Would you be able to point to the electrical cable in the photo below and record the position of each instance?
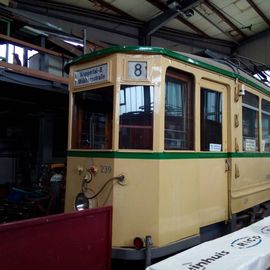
(119, 178)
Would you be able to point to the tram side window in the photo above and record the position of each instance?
(179, 110)
(136, 117)
(265, 125)
(250, 111)
(92, 119)
(211, 120)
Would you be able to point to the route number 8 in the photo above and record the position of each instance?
(137, 70)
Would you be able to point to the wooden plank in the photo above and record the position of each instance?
(31, 46)
(34, 73)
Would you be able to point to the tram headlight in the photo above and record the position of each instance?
(81, 202)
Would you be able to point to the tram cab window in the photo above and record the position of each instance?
(250, 111)
(136, 117)
(92, 119)
(211, 120)
(179, 110)
(265, 125)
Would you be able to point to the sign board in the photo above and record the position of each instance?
(214, 147)
(246, 249)
(250, 145)
(91, 75)
(137, 70)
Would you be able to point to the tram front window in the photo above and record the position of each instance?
(136, 117)
(92, 119)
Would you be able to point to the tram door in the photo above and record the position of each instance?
(213, 141)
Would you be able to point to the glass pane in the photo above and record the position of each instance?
(266, 106)
(265, 126)
(211, 120)
(136, 117)
(250, 122)
(179, 111)
(92, 119)
(251, 100)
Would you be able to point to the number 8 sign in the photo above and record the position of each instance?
(137, 70)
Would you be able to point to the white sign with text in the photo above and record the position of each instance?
(246, 249)
(91, 75)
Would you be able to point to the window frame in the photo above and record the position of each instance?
(257, 131)
(77, 125)
(267, 114)
(217, 114)
(188, 110)
(137, 127)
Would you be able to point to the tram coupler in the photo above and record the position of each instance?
(148, 246)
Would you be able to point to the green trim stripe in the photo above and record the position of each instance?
(249, 155)
(169, 53)
(164, 155)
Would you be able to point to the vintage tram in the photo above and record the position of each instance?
(174, 142)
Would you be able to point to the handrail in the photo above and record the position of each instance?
(32, 72)
(32, 46)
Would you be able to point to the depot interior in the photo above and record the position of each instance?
(36, 41)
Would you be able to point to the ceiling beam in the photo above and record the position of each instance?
(163, 7)
(215, 25)
(118, 11)
(157, 4)
(224, 18)
(95, 21)
(260, 13)
(251, 39)
(173, 9)
(156, 23)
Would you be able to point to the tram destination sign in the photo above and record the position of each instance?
(91, 75)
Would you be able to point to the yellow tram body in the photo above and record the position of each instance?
(169, 194)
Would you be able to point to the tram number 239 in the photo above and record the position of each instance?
(137, 70)
(105, 169)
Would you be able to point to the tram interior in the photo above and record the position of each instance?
(93, 119)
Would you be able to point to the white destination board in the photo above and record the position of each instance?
(91, 75)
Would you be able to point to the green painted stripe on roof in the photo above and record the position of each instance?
(169, 53)
(164, 155)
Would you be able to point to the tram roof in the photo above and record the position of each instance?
(216, 65)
